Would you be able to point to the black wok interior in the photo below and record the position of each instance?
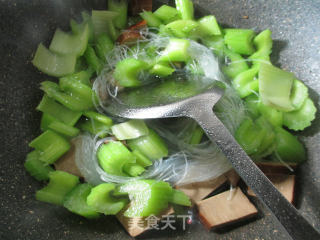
(23, 24)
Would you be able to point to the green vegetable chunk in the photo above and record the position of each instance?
(152, 20)
(81, 77)
(59, 185)
(216, 43)
(301, 118)
(236, 66)
(130, 129)
(36, 168)
(288, 147)
(53, 64)
(209, 26)
(152, 146)
(51, 146)
(63, 129)
(46, 120)
(92, 60)
(70, 44)
(127, 71)
(102, 22)
(180, 28)
(185, 8)
(141, 159)
(98, 117)
(179, 198)
(103, 46)
(113, 156)
(197, 135)
(133, 169)
(246, 82)
(167, 14)
(275, 87)
(240, 40)
(101, 200)
(176, 51)
(121, 7)
(161, 70)
(263, 43)
(299, 94)
(76, 201)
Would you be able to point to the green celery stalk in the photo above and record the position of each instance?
(243, 82)
(46, 120)
(275, 87)
(301, 118)
(76, 201)
(133, 169)
(127, 71)
(180, 28)
(94, 127)
(121, 7)
(252, 105)
(70, 44)
(240, 40)
(104, 45)
(92, 60)
(274, 116)
(98, 117)
(161, 70)
(148, 197)
(216, 43)
(209, 26)
(77, 28)
(237, 64)
(129, 130)
(72, 102)
(299, 94)
(103, 23)
(185, 8)
(196, 136)
(51, 146)
(81, 77)
(288, 147)
(53, 64)
(176, 51)
(59, 185)
(113, 156)
(167, 14)
(141, 159)
(263, 44)
(57, 112)
(36, 168)
(179, 198)
(101, 201)
(64, 129)
(152, 20)
(152, 146)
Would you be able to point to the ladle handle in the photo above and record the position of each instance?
(293, 222)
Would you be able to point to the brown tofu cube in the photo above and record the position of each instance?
(223, 209)
(284, 183)
(198, 191)
(138, 225)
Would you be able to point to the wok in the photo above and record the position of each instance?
(23, 24)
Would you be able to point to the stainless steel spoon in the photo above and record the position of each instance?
(199, 108)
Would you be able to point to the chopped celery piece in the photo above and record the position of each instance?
(185, 8)
(113, 156)
(77, 28)
(180, 28)
(64, 129)
(70, 44)
(288, 147)
(152, 145)
(196, 136)
(240, 40)
(178, 197)
(152, 20)
(243, 82)
(133, 169)
(100, 199)
(216, 43)
(301, 118)
(104, 45)
(76, 201)
(94, 127)
(176, 51)
(250, 136)
(57, 111)
(51, 146)
(274, 116)
(46, 120)
(53, 64)
(252, 105)
(92, 60)
(161, 70)
(131, 129)
(81, 77)
(127, 71)
(36, 168)
(103, 23)
(148, 197)
(59, 185)
(209, 26)
(98, 117)
(121, 7)
(237, 64)
(167, 14)
(299, 94)
(81, 65)
(275, 87)
(141, 159)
